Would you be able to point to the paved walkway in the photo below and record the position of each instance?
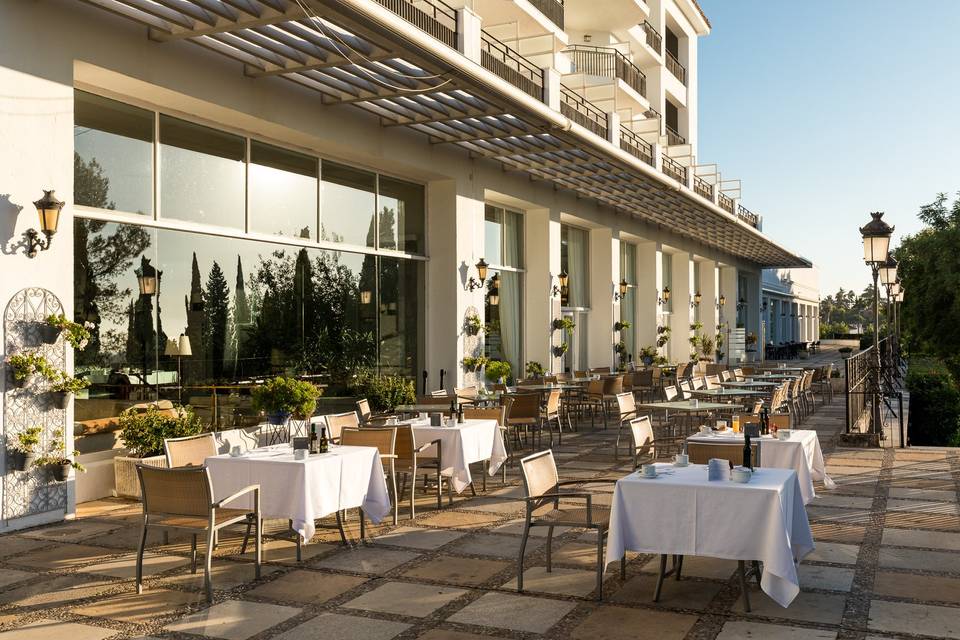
(887, 565)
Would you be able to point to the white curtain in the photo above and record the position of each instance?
(510, 320)
(577, 267)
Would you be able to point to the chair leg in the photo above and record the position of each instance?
(599, 564)
(623, 566)
(140, 548)
(193, 554)
(258, 544)
(523, 547)
(660, 577)
(549, 549)
(207, 562)
(343, 534)
(362, 530)
(396, 499)
(756, 572)
(246, 536)
(741, 575)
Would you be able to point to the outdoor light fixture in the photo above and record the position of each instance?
(664, 297)
(888, 272)
(697, 297)
(876, 250)
(564, 282)
(876, 239)
(621, 290)
(366, 297)
(181, 349)
(494, 296)
(473, 283)
(722, 301)
(146, 278)
(48, 210)
(741, 303)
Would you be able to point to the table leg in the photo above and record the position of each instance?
(742, 578)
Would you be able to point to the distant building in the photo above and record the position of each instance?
(791, 305)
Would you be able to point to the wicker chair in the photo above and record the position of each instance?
(685, 387)
(821, 383)
(726, 375)
(337, 422)
(643, 384)
(466, 395)
(385, 440)
(646, 446)
(550, 414)
(412, 459)
(364, 414)
(713, 382)
(626, 411)
(500, 415)
(593, 399)
(191, 451)
(182, 498)
(523, 413)
(542, 487)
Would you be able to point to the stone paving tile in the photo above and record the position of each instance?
(366, 560)
(224, 575)
(807, 607)
(460, 520)
(233, 619)
(837, 532)
(16, 546)
(922, 494)
(834, 552)
(126, 566)
(925, 539)
(404, 598)
(688, 594)
(904, 617)
(923, 506)
(827, 499)
(738, 630)
(449, 634)
(504, 506)
(336, 626)
(619, 623)
(61, 556)
(827, 578)
(515, 527)
(513, 611)
(73, 531)
(285, 552)
(12, 576)
(47, 629)
(560, 581)
(917, 587)
(138, 608)
(917, 520)
(107, 507)
(306, 586)
(836, 515)
(461, 571)
(54, 590)
(498, 546)
(919, 560)
(417, 538)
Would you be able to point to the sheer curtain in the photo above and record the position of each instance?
(577, 267)
(510, 292)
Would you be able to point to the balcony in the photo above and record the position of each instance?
(583, 112)
(432, 16)
(703, 188)
(552, 9)
(726, 203)
(497, 57)
(674, 169)
(677, 69)
(674, 137)
(654, 39)
(607, 62)
(748, 216)
(635, 145)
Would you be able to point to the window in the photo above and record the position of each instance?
(113, 155)
(401, 216)
(503, 237)
(283, 191)
(348, 204)
(628, 305)
(574, 260)
(201, 174)
(666, 266)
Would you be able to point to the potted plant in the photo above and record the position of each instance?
(620, 347)
(498, 371)
(559, 350)
(78, 335)
(64, 387)
(25, 448)
(621, 325)
(142, 431)
(750, 340)
(473, 325)
(647, 355)
(26, 365)
(474, 363)
(56, 459)
(385, 393)
(534, 369)
(282, 397)
(663, 335)
(565, 324)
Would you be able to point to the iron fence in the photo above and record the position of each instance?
(607, 62)
(582, 111)
(674, 169)
(635, 145)
(432, 16)
(497, 57)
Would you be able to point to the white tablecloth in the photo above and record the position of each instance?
(681, 512)
(305, 490)
(461, 445)
(801, 453)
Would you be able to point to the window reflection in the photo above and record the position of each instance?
(401, 216)
(347, 205)
(283, 191)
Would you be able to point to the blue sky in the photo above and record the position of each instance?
(828, 110)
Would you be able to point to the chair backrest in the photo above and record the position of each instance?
(641, 430)
(600, 370)
(595, 388)
(246, 439)
(442, 400)
(613, 385)
(539, 476)
(404, 443)
(191, 451)
(337, 422)
(643, 378)
(383, 438)
(469, 393)
(685, 388)
(778, 420)
(699, 383)
(524, 405)
(582, 374)
(726, 376)
(713, 382)
(183, 491)
(682, 370)
(627, 406)
(363, 410)
(553, 402)
(499, 386)
(560, 377)
(738, 375)
(486, 413)
(669, 392)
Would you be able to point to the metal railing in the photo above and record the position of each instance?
(674, 137)
(748, 216)
(677, 69)
(497, 57)
(635, 145)
(703, 187)
(432, 16)
(654, 39)
(553, 9)
(608, 63)
(726, 202)
(863, 381)
(582, 111)
(674, 169)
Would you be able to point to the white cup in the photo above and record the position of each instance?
(681, 459)
(649, 471)
(300, 454)
(783, 434)
(423, 415)
(705, 429)
(392, 420)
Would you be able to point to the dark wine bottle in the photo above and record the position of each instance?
(764, 421)
(747, 452)
(314, 445)
(460, 413)
(324, 445)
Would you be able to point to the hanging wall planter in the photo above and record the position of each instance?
(60, 471)
(60, 399)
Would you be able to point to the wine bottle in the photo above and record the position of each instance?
(747, 452)
(460, 413)
(314, 445)
(324, 445)
(764, 421)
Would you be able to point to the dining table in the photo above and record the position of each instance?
(462, 444)
(748, 384)
(731, 394)
(306, 490)
(681, 512)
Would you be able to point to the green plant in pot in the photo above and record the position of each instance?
(65, 386)
(498, 371)
(647, 355)
(473, 325)
(282, 397)
(559, 349)
(564, 324)
(26, 365)
(385, 393)
(143, 431)
(621, 325)
(57, 460)
(25, 448)
(78, 335)
(534, 369)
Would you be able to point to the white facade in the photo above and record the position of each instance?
(54, 49)
(791, 305)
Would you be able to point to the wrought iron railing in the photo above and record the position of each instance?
(433, 16)
(726, 202)
(635, 145)
(674, 169)
(677, 69)
(511, 66)
(703, 187)
(674, 137)
(748, 216)
(654, 39)
(608, 63)
(553, 9)
(582, 111)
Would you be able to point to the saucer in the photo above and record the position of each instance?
(681, 464)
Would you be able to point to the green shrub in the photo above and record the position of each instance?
(498, 370)
(385, 393)
(535, 369)
(283, 395)
(934, 407)
(143, 431)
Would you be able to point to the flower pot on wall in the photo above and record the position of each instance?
(61, 399)
(125, 473)
(23, 383)
(49, 334)
(22, 461)
(60, 471)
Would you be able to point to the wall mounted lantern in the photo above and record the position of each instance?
(697, 297)
(741, 303)
(564, 283)
(48, 210)
(664, 297)
(722, 301)
(494, 296)
(621, 292)
(473, 283)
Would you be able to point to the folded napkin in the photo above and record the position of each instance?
(718, 469)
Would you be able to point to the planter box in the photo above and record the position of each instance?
(125, 474)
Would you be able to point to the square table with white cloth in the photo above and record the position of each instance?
(680, 512)
(461, 445)
(306, 490)
(800, 452)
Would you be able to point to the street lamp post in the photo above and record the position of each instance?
(876, 249)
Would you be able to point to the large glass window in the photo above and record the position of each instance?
(503, 236)
(347, 205)
(628, 305)
(283, 191)
(401, 216)
(201, 174)
(113, 155)
(574, 260)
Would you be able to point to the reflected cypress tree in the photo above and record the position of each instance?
(217, 310)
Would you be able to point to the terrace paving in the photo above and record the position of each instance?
(886, 566)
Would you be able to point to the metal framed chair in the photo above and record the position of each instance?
(523, 413)
(182, 498)
(385, 440)
(190, 451)
(411, 460)
(500, 415)
(626, 411)
(337, 422)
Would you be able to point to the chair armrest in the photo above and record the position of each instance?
(255, 488)
(586, 481)
(559, 496)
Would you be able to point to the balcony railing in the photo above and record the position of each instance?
(703, 187)
(654, 39)
(583, 112)
(677, 69)
(674, 137)
(674, 169)
(553, 9)
(511, 66)
(748, 216)
(433, 16)
(607, 62)
(726, 202)
(635, 145)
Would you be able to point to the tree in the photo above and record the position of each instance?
(217, 309)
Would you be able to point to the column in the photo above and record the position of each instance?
(542, 261)
(680, 318)
(604, 270)
(728, 312)
(754, 297)
(649, 285)
(709, 288)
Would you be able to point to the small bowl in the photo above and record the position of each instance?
(741, 475)
(783, 434)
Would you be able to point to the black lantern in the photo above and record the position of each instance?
(146, 278)
(697, 297)
(888, 272)
(564, 282)
(722, 301)
(664, 296)
(494, 296)
(366, 296)
(473, 283)
(48, 210)
(621, 290)
(741, 303)
(876, 239)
